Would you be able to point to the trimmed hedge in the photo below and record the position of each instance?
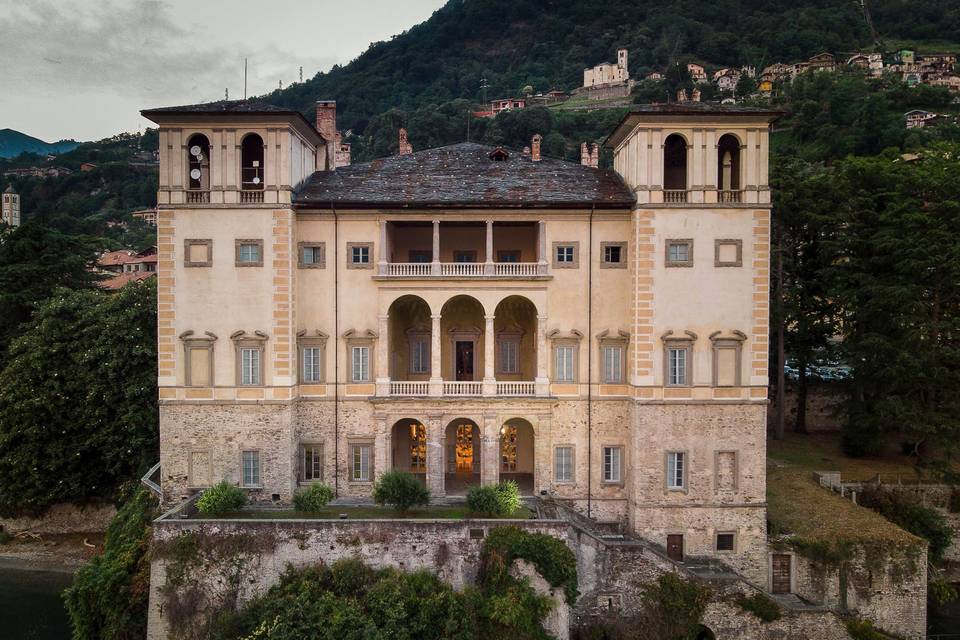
(401, 490)
(494, 500)
(221, 498)
(312, 499)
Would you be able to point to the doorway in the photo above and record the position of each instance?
(464, 350)
(780, 573)
(675, 547)
(462, 456)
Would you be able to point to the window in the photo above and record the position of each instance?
(611, 464)
(362, 459)
(462, 257)
(359, 255)
(725, 542)
(563, 363)
(728, 252)
(679, 253)
(678, 371)
(563, 464)
(249, 253)
(311, 463)
(250, 366)
(513, 255)
(312, 255)
(251, 469)
(675, 165)
(311, 357)
(676, 470)
(509, 351)
(420, 354)
(614, 255)
(360, 358)
(612, 363)
(566, 255)
(198, 163)
(420, 256)
(198, 253)
(251, 162)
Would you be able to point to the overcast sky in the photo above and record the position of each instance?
(84, 68)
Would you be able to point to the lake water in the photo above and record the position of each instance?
(30, 604)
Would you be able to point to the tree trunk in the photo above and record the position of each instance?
(801, 424)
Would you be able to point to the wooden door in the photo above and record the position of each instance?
(675, 547)
(781, 573)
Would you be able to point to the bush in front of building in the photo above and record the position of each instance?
(494, 500)
(221, 498)
(761, 605)
(312, 499)
(400, 490)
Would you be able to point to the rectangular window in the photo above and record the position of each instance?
(613, 364)
(508, 256)
(675, 470)
(563, 464)
(312, 255)
(725, 542)
(565, 254)
(360, 254)
(563, 357)
(249, 253)
(311, 463)
(465, 256)
(250, 366)
(197, 253)
(611, 464)
(614, 255)
(360, 454)
(679, 253)
(611, 254)
(361, 364)
(419, 256)
(420, 356)
(509, 350)
(311, 364)
(677, 366)
(251, 468)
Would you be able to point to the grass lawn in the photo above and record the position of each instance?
(372, 512)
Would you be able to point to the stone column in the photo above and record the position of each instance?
(384, 252)
(383, 356)
(436, 370)
(435, 264)
(435, 446)
(542, 247)
(489, 346)
(490, 455)
(542, 380)
(382, 452)
(488, 267)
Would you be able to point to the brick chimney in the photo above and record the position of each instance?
(327, 119)
(405, 147)
(595, 155)
(584, 154)
(343, 152)
(535, 147)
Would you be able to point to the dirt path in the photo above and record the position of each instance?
(50, 552)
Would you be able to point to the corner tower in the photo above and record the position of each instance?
(10, 207)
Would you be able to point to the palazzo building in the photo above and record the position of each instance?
(472, 314)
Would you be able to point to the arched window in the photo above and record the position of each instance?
(675, 168)
(251, 162)
(728, 163)
(198, 162)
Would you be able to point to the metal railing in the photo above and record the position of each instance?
(409, 388)
(250, 197)
(675, 196)
(196, 196)
(516, 388)
(462, 388)
(728, 196)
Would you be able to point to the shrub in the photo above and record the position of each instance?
(312, 499)
(221, 498)
(863, 630)
(552, 557)
(673, 607)
(494, 500)
(918, 520)
(108, 597)
(401, 490)
(760, 605)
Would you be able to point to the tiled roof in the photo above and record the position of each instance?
(111, 258)
(464, 175)
(225, 106)
(119, 280)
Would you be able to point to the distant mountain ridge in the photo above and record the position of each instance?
(13, 143)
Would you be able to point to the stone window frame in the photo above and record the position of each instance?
(575, 264)
(686, 342)
(190, 342)
(573, 463)
(319, 340)
(301, 466)
(622, 264)
(353, 443)
(620, 481)
(367, 341)
(359, 265)
(667, 262)
(239, 242)
(574, 339)
(719, 242)
(685, 471)
(242, 340)
(716, 541)
(606, 340)
(418, 336)
(197, 242)
(514, 336)
(259, 484)
(322, 246)
(191, 476)
(716, 469)
(735, 342)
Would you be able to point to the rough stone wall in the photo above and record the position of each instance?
(824, 407)
(892, 593)
(64, 518)
(727, 620)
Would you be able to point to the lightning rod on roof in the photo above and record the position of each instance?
(244, 78)
(226, 93)
(301, 73)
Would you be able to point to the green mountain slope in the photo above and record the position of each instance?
(13, 143)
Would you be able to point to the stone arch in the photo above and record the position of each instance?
(198, 162)
(728, 163)
(409, 339)
(675, 162)
(408, 437)
(462, 339)
(704, 633)
(252, 151)
(462, 455)
(517, 453)
(515, 332)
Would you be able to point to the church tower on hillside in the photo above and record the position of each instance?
(10, 207)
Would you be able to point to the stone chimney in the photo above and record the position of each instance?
(526, 151)
(695, 94)
(327, 119)
(584, 154)
(405, 147)
(535, 147)
(343, 152)
(595, 155)
(681, 95)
